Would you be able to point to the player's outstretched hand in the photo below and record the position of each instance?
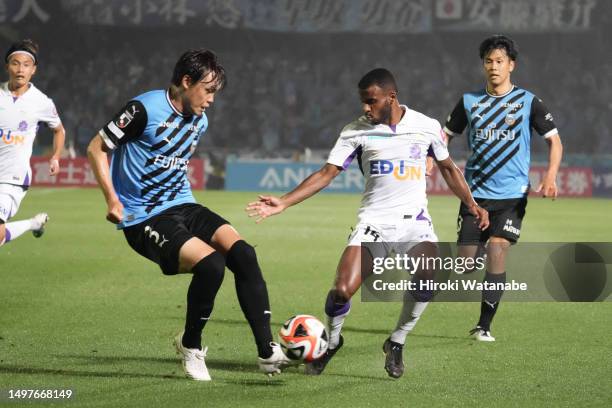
(265, 207)
(114, 213)
(548, 189)
(481, 215)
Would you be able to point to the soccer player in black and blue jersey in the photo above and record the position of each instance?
(149, 197)
(499, 120)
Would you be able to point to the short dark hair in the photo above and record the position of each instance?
(26, 45)
(500, 42)
(379, 76)
(197, 64)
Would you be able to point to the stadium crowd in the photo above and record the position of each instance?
(289, 92)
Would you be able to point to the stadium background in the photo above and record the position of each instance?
(293, 68)
(95, 317)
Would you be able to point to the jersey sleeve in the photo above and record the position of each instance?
(457, 120)
(541, 119)
(128, 124)
(344, 151)
(438, 148)
(50, 116)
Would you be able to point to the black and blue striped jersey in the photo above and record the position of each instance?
(152, 143)
(499, 136)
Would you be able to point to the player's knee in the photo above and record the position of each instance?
(242, 261)
(211, 268)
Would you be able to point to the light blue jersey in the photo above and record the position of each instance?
(152, 143)
(499, 137)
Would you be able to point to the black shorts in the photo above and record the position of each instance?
(161, 237)
(505, 216)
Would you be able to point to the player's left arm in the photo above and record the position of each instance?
(542, 121)
(454, 178)
(456, 182)
(455, 124)
(50, 116)
(59, 137)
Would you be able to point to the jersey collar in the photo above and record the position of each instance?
(172, 106)
(5, 89)
(500, 96)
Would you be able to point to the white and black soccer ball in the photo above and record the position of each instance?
(303, 337)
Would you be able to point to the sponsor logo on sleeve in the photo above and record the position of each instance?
(126, 117)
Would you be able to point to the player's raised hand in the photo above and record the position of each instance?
(481, 215)
(265, 207)
(54, 167)
(114, 212)
(548, 188)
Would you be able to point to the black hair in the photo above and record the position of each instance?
(23, 45)
(197, 64)
(500, 42)
(379, 76)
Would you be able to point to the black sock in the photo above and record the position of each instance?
(205, 283)
(252, 294)
(490, 300)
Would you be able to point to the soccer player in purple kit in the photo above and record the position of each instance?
(390, 142)
(22, 107)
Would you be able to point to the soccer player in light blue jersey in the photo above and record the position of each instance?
(149, 197)
(499, 120)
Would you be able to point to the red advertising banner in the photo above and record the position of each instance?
(571, 181)
(77, 173)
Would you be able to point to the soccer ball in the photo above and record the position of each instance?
(303, 337)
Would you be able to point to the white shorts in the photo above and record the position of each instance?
(10, 199)
(397, 234)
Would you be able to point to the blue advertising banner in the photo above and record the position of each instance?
(274, 176)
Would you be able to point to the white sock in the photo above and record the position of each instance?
(334, 325)
(15, 229)
(411, 313)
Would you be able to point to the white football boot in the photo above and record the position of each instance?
(276, 362)
(193, 360)
(481, 335)
(38, 224)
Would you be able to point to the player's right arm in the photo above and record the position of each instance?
(342, 154)
(456, 121)
(128, 124)
(268, 205)
(97, 153)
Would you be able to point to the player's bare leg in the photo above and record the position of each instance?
(252, 294)
(338, 302)
(497, 249)
(413, 307)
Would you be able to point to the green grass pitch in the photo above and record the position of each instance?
(80, 310)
